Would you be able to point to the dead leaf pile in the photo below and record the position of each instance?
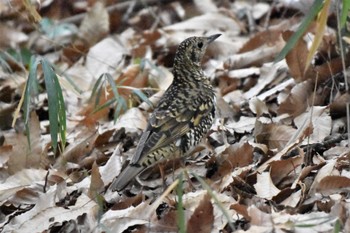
(275, 160)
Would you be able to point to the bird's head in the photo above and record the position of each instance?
(193, 48)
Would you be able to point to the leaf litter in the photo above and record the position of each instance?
(276, 158)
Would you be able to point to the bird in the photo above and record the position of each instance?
(184, 113)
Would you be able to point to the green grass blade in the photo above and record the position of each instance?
(179, 207)
(315, 8)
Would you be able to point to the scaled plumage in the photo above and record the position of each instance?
(183, 115)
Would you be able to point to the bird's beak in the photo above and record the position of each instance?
(212, 38)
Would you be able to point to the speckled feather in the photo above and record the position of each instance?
(183, 115)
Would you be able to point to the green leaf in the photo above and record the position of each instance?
(57, 113)
(315, 8)
(344, 12)
(113, 85)
(31, 87)
(121, 104)
(53, 30)
(96, 90)
(142, 96)
(108, 103)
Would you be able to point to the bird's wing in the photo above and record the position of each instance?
(167, 126)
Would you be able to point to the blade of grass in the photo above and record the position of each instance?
(180, 213)
(315, 8)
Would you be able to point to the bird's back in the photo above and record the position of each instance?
(183, 115)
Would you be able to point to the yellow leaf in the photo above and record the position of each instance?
(320, 28)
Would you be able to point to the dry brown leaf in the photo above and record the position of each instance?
(11, 37)
(264, 186)
(96, 185)
(205, 22)
(95, 24)
(26, 178)
(333, 184)
(257, 57)
(202, 219)
(269, 37)
(320, 120)
(46, 209)
(293, 199)
(328, 69)
(258, 107)
(338, 106)
(268, 72)
(296, 59)
(327, 170)
(21, 155)
(298, 100)
(293, 142)
(241, 209)
(113, 166)
(244, 125)
(234, 156)
(276, 136)
(120, 220)
(80, 145)
(282, 168)
(258, 217)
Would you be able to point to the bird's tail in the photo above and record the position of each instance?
(125, 177)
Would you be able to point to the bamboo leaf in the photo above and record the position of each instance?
(97, 89)
(108, 103)
(142, 96)
(344, 12)
(57, 114)
(121, 104)
(315, 8)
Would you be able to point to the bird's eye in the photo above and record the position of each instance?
(200, 45)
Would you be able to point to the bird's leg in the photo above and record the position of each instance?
(162, 175)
